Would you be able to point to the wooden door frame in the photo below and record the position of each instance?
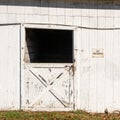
(75, 55)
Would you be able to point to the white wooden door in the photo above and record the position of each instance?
(48, 87)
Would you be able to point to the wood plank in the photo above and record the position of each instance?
(10, 69)
(3, 18)
(77, 21)
(52, 7)
(3, 9)
(100, 71)
(85, 70)
(116, 85)
(109, 66)
(68, 9)
(93, 73)
(44, 7)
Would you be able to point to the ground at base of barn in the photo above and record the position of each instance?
(72, 115)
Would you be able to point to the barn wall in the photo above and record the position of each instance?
(98, 78)
(9, 67)
(85, 13)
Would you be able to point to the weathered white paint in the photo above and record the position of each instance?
(48, 88)
(10, 67)
(96, 79)
(85, 13)
(61, 95)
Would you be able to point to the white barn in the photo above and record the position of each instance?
(60, 55)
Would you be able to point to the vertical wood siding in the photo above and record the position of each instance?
(99, 79)
(9, 68)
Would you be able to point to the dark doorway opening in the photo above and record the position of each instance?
(49, 46)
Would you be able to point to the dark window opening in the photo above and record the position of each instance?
(49, 46)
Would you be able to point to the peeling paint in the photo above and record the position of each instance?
(57, 86)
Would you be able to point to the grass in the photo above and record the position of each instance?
(77, 115)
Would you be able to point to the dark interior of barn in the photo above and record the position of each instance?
(49, 46)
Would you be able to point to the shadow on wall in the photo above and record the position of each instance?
(89, 4)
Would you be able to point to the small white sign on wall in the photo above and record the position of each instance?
(97, 53)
